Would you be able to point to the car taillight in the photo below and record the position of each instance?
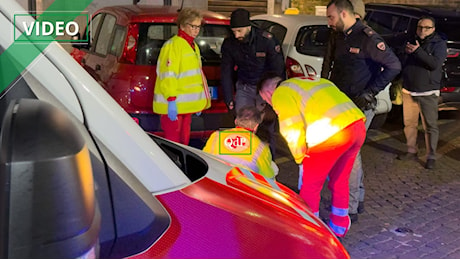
(452, 53)
(129, 51)
(447, 89)
(293, 68)
(311, 72)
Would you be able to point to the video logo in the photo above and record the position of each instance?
(58, 26)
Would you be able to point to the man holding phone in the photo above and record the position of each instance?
(422, 73)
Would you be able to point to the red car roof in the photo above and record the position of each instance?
(157, 14)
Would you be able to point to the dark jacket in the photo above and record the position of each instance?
(261, 53)
(423, 68)
(360, 55)
(328, 60)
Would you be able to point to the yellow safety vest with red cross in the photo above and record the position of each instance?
(242, 148)
(310, 112)
(179, 75)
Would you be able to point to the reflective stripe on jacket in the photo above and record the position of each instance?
(310, 112)
(179, 75)
(256, 158)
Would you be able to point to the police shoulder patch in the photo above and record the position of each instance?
(368, 31)
(381, 46)
(267, 35)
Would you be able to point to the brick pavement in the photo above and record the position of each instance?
(410, 212)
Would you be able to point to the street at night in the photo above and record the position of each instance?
(410, 212)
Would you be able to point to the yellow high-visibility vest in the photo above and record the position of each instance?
(179, 75)
(310, 112)
(242, 148)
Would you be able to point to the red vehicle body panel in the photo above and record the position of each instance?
(253, 229)
(131, 85)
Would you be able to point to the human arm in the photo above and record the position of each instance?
(227, 72)
(168, 66)
(328, 57)
(275, 58)
(435, 59)
(291, 123)
(379, 53)
(264, 162)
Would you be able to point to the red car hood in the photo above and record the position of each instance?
(212, 220)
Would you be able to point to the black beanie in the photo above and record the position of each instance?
(239, 18)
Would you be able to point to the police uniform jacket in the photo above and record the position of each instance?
(363, 61)
(260, 53)
(423, 68)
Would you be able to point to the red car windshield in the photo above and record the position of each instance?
(152, 36)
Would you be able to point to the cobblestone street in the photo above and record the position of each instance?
(410, 212)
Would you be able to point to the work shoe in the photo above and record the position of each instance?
(429, 164)
(353, 217)
(361, 207)
(407, 156)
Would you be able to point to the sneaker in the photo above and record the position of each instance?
(361, 207)
(429, 164)
(353, 217)
(407, 156)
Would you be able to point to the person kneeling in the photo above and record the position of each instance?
(240, 145)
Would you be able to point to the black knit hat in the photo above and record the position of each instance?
(240, 18)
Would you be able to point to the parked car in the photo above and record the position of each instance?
(79, 178)
(304, 41)
(396, 23)
(121, 54)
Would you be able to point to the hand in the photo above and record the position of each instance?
(198, 113)
(410, 48)
(300, 176)
(365, 101)
(172, 110)
(230, 105)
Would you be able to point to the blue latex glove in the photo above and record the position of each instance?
(198, 113)
(172, 110)
(300, 176)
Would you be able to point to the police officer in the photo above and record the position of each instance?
(363, 66)
(328, 59)
(249, 52)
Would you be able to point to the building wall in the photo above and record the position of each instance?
(308, 6)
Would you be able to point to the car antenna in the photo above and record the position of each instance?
(181, 6)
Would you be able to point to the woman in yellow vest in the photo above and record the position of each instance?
(241, 146)
(181, 87)
(324, 131)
